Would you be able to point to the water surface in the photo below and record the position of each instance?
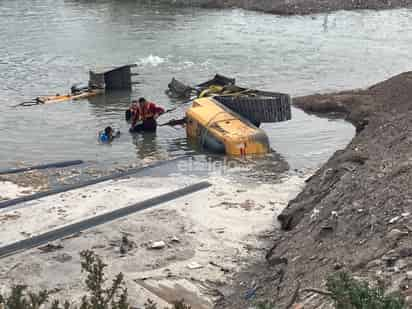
(49, 45)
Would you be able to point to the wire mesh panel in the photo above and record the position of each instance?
(258, 109)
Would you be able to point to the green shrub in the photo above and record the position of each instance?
(348, 293)
(266, 305)
(99, 295)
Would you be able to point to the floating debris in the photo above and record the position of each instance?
(158, 245)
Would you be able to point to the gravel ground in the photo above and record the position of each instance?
(354, 214)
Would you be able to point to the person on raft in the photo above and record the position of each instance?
(143, 116)
(108, 135)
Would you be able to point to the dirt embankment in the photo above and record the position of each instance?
(302, 7)
(355, 213)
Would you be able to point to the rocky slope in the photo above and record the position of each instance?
(355, 213)
(292, 7)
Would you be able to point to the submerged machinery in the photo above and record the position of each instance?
(100, 81)
(225, 118)
(221, 130)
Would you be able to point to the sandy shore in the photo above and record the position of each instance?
(208, 235)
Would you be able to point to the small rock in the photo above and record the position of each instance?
(404, 284)
(405, 252)
(395, 233)
(402, 264)
(276, 260)
(374, 263)
(409, 275)
(158, 245)
(396, 269)
(175, 239)
(337, 266)
(390, 261)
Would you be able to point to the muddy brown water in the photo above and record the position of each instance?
(49, 45)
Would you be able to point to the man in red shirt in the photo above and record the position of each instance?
(144, 115)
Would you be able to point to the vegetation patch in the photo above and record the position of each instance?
(100, 294)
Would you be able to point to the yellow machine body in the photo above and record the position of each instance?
(214, 126)
(67, 97)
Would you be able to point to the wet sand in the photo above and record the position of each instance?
(208, 235)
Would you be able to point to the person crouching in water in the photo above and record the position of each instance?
(108, 135)
(144, 116)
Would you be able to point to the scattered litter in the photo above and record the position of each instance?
(8, 217)
(72, 236)
(126, 245)
(50, 248)
(295, 258)
(251, 293)
(222, 268)
(315, 214)
(394, 219)
(325, 230)
(158, 245)
(277, 260)
(194, 265)
(62, 258)
(101, 246)
(171, 258)
(247, 205)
